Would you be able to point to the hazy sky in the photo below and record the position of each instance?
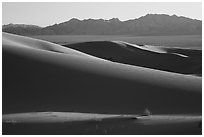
(44, 14)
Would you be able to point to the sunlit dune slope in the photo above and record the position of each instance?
(185, 61)
(41, 76)
(89, 123)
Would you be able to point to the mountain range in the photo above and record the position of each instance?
(148, 25)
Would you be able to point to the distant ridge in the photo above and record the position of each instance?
(150, 24)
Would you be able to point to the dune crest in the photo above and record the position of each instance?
(167, 59)
(75, 81)
(26, 42)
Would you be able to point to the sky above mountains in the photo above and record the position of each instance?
(44, 14)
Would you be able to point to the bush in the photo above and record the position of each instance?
(146, 112)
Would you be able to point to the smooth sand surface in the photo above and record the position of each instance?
(89, 123)
(167, 59)
(60, 117)
(53, 117)
(181, 41)
(42, 76)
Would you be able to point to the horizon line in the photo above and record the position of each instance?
(84, 19)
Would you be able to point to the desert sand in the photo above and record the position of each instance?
(42, 76)
(173, 59)
(89, 123)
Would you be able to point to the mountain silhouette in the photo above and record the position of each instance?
(150, 24)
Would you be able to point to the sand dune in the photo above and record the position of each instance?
(42, 76)
(26, 42)
(53, 117)
(183, 61)
(88, 123)
(60, 117)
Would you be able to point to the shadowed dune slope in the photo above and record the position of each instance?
(185, 61)
(36, 78)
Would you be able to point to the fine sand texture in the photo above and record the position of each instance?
(42, 76)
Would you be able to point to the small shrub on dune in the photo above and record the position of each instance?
(146, 112)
